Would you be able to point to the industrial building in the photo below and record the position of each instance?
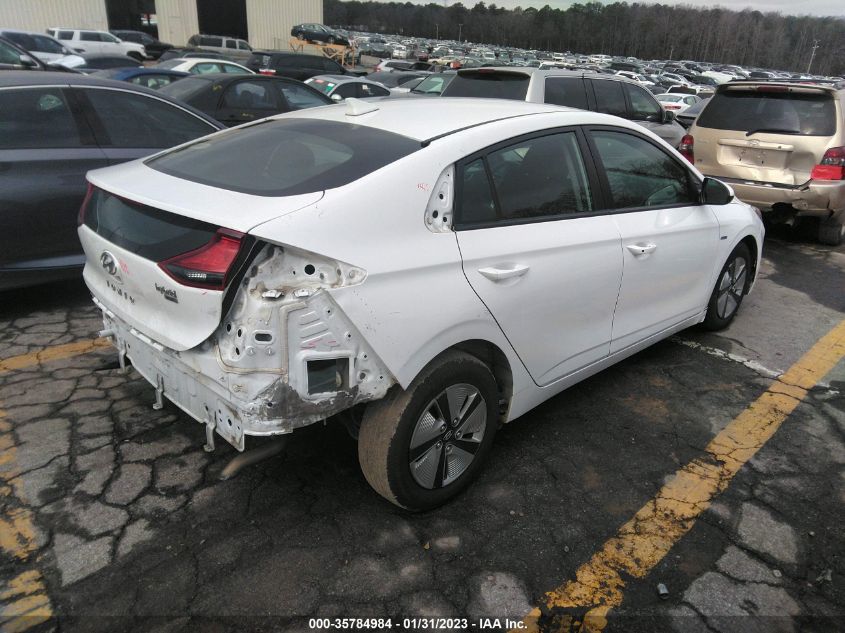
(264, 23)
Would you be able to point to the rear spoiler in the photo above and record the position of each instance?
(834, 84)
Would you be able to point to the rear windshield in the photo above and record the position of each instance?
(805, 114)
(147, 232)
(187, 88)
(493, 85)
(285, 157)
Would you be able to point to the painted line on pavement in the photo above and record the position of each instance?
(24, 602)
(583, 604)
(48, 354)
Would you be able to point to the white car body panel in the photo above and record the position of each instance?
(189, 64)
(421, 294)
(118, 47)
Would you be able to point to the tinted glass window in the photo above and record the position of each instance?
(643, 106)
(331, 66)
(188, 88)
(108, 37)
(566, 91)
(9, 55)
(65, 35)
(46, 44)
(807, 114)
(36, 118)
(235, 70)
(286, 157)
(243, 46)
(206, 68)
(640, 174)
(609, 98)
(495, 85)
(132, 120)
(89, 36)
(538, 177)
(250, 95)
(369, 90)
(477, 205)
(300, 97)
(147, 232)
(347, 90)
(212, 41)
(153, 81)
(231, 44)
(21, 39)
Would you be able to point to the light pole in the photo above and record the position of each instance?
(812, 55)
(459, 31)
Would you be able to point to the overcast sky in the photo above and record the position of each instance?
(805, 7)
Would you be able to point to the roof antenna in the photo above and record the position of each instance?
(357, 107)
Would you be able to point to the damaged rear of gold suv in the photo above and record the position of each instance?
(781, 146)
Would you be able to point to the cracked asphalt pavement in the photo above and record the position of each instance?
(112, 517)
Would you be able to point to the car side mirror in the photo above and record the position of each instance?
(27, 61)
(715, 192)
(336, 97)
(668, 116)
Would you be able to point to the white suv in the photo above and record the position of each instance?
(88, 42)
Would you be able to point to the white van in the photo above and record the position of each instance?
(88, 42)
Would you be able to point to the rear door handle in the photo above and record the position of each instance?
(498, 274)
(642, 249)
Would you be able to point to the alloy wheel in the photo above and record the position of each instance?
(731, 287)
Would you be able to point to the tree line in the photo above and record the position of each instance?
(645, 31)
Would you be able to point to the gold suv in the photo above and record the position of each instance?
(781, 146)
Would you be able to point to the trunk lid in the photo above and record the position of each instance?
(765, 133)
(126, 245)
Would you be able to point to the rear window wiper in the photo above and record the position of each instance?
(772, 130)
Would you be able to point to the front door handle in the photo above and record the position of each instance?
(498, 274)
(642, 249)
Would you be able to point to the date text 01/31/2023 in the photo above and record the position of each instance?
(415, 624)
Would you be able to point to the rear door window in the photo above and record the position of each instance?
(89, 36)
(639, 174)
(216, 42)
(566, 91)
(490, 85)
(609, 97)
(798, 113)
(234, 70)
(138, 121)
(206, 68)
(64, 35)
(300, 97)
(35, 118)
(251, 95)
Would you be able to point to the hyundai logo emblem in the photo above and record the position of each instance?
(109, 264)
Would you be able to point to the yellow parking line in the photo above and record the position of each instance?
(24, 602)
(56, 352)
(643, 541)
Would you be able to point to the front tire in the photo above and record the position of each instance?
(420, 447)
(731, 286)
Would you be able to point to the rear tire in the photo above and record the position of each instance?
(420, 447)
(731, 285)
(831, 232)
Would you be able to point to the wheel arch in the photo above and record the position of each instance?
(754, 249)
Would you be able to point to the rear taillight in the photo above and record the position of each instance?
(208, 266)
(686, 148)
(266, 71)
(669, 106)
(80, 218)
(832, 166)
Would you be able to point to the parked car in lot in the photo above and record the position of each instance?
(153, 78)
(395, 78)
(54, 128)
(687, 117)
(237, 49)
(318, 33)
(91, 63)
(316, 295)
(204, 66)
(430, 86)
(676, 103)
(153, 46)
(12, 57)
(339, 87)
(192, 53)
(781, 146)
(97, 42)
(610, 94)
(294, 65)
(44, 47)
(236, 99)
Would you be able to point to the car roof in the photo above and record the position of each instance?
(425, 119)
(551, 72)
(345, 79)
(215, 60)
(25, 78)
